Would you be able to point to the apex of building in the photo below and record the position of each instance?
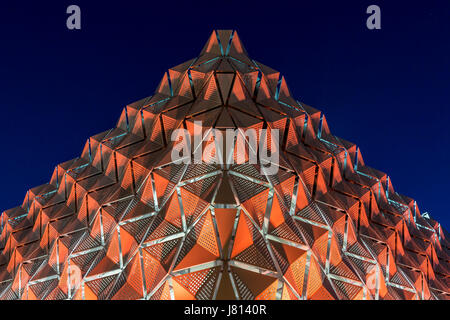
(126, 221)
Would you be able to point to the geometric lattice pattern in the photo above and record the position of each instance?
(124, 222)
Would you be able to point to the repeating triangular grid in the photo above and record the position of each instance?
(123, 221)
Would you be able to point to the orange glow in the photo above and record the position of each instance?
(133, 223)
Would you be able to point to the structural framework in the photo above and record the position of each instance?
(123, 221)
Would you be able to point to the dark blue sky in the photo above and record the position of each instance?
(386, 90)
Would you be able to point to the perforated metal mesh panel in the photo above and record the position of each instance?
(123, 221)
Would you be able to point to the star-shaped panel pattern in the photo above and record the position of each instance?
(124, 221)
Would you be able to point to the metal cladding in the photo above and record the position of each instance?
(123, 221)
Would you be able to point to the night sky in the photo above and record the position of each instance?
(386, 90)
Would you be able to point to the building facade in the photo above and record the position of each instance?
(127, 221)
